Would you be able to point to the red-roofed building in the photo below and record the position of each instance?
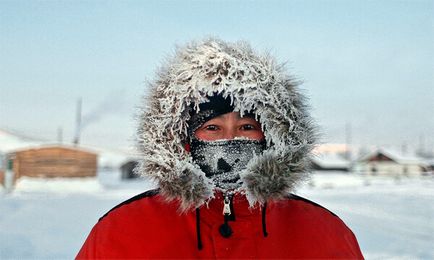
(388, 162)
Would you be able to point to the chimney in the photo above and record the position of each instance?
(76, 140)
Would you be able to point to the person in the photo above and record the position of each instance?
(227, 134)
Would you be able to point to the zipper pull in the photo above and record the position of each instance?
(225, 229)
(227, 206)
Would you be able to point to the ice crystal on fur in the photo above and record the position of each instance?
(254, 83)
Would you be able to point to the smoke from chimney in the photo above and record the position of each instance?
(114, 103)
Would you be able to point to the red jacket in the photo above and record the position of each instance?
(147, 226)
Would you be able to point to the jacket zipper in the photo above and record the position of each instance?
(227, 206)
(225, 229)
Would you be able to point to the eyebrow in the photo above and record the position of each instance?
(249, 119)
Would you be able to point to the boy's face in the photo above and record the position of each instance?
(228, 126)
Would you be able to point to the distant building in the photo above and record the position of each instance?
(127, 170)
(387, 162)
(331, 148)
(10, 142)
(50, 161)
(2, 169)
(330, 162)
(430, 163)
(117, 162)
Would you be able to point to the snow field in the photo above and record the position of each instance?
(49, 219)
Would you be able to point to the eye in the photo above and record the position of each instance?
(248, 127)
(211, 128)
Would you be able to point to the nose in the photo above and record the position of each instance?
(229, 134)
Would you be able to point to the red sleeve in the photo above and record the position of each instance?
(354, 245)
(89, 248)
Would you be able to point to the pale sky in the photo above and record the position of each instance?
(369, 64)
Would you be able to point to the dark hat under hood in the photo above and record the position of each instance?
(254, 84)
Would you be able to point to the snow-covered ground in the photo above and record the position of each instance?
(51, 218)
(392, 218)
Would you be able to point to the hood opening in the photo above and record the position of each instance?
(251, 82)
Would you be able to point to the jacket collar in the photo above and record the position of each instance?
(240, 208)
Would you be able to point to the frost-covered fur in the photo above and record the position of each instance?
(254, 83)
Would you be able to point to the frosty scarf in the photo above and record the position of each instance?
(223, 160)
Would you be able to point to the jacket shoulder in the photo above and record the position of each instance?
(115, 229)
(146, 194)
(318, 206)
(297, 206)
(323, 228)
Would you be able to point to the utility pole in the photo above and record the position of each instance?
(421, 149)
(348, 141)
(76, 140)
(404, 148)
(59, 135)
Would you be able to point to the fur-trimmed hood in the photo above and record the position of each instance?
(254, 83)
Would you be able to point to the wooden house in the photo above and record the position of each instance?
(53, 161)
(10, 142)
